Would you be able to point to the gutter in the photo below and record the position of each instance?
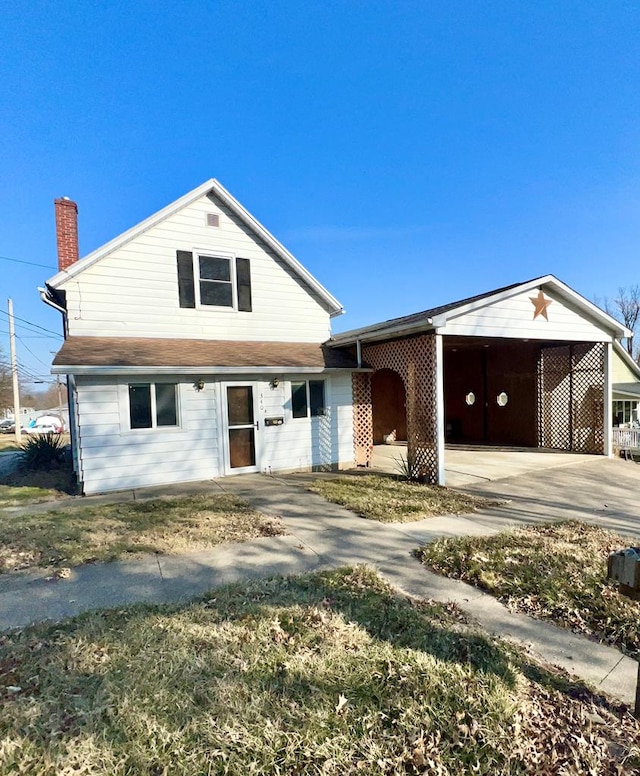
(44, 295)
(381, 335)
(83, 369)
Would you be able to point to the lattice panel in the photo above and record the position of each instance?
(414, 359)
(588, 397)
(571, 397)
(362, 417)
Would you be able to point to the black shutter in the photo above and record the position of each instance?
(243, 278)
(186, 290)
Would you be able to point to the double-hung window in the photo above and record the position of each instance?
(153, 405)
(214, 278)
(307, 399)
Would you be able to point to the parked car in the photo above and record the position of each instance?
(7, 426)
(45, 424)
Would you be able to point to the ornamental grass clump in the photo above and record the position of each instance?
(43, 451)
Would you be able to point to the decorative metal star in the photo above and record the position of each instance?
(541, 304)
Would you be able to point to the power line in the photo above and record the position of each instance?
(35, 325)
(37, 358)
(30, 263)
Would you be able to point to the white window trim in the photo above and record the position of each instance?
(123, 406)
(306, 381)
(231, 258)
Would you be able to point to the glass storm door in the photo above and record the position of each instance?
(242, 427)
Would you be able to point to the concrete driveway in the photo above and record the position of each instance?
(469, 466)
(598, 490)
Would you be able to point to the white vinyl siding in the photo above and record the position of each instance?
(114, 457)
(513, 317)
(324, 441)
(133, 292)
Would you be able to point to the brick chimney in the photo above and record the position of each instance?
(66, 232)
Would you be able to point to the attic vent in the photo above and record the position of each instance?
(213, 219)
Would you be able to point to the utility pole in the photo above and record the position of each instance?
(59, 387)
(14, 375)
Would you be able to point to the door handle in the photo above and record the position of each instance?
(257, 424)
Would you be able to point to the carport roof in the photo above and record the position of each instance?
(436, 316)
(116, 355)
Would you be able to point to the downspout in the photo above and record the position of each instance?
(47, 300)
(359, 354)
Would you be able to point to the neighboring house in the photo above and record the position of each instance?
(197, 346)
(25, 414)
(626, 389)
(194, 349)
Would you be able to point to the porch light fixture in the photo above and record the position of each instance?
(200, 384)
(275, 382)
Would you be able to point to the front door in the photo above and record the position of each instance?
(241, 425)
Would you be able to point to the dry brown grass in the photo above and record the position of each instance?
(555, 571)
(330, 674)
(391, 500)
(82, 534)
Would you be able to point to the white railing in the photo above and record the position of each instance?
(626, 437)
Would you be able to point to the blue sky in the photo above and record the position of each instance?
(407, 153)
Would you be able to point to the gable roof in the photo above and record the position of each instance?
(625, 356)
(120, 355)
(436, 317)
(212, 186)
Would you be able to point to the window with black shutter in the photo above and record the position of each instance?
(214, 281)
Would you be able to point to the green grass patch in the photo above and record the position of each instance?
(17, 495)
(391, 500)
(83, 534)
(555, 571)
(27, 486)
(331, 673)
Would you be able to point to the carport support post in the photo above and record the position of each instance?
(440, 422)
(608, 401)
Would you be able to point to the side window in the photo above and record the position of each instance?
(153, 405)
(307, 399)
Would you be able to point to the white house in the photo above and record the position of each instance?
(197, 346)
(194, 349)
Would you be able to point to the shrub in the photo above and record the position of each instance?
(43, 451)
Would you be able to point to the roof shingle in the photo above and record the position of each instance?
(146, 352)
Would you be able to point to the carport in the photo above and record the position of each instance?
(526, 366)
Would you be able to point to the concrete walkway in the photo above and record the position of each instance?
(324, 536)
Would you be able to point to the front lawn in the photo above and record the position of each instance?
(556, 571)
(390, 500)
(82, 534)
(28, 486)
(329, 673)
